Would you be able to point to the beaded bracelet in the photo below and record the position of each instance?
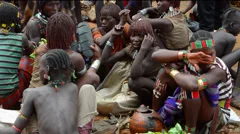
(96, 64)
(23, 117)
(202, 83)
(182, 55)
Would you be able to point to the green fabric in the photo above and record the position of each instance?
(10, 55)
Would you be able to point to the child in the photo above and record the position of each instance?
(55, 103)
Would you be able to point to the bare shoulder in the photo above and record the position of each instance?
(223, 36)
(31, 26)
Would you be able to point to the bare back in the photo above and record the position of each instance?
(57, 111)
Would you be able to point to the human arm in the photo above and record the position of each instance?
(91, 77)
(137, 67)
(106, 54)
(78, 63)
(28, 46)
(33, 32)
(189, 82)
(26, 112)
(170, 56)
(190, 5)
(163, 25)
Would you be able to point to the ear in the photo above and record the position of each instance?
(232, 24)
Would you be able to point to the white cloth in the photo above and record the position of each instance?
(87, 105)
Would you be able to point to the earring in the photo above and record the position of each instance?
(46, 76)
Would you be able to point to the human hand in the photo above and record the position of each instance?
(117, 30)
(124, 16)
(96, 51)
(199, 57)
(147, 42)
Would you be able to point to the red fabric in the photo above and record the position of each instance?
(86, 129)
(11, 100)
(24, 76)
(125, 2)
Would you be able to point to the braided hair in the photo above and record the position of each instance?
(8, 14)
(58, 60)
(141, 26)
(111, 10)
(201, 35)
(59, 32)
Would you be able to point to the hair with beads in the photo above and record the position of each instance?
(57, 60)
(60, 30)
(230, 15)
(141, 26)
(8, 14)
(201, 35)
(111, 10)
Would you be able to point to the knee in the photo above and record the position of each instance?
(131, 84)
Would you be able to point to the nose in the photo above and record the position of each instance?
(55, 7)
(103, 21)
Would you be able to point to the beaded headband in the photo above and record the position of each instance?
(202, 44)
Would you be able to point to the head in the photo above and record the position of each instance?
(59, 32)
(163, 5)
(197, 43)
(138, 30)
(231, 21)
(49, 7)
(56, 64)
(9, 16)
(109, 16)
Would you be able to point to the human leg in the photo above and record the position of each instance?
(143, 87)
(87, 108)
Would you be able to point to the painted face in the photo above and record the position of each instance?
(43, 69)
(136, 40)
(163, 5)
(50, 8)
(107, 22)
(208, 51)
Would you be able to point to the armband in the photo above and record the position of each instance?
(202, 83)
(23, 117)
(143, 12)
(173, 73)
(96, 64)
(82, 72)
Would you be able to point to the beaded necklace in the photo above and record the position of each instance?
(57, 83)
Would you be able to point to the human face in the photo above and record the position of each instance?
(208, 51)
(107, 22)
(235, 26)
(50, 8)
(136, 40)
(163, 5)
(43, 69)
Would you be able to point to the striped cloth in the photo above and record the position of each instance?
(10, 55)
(225, 89)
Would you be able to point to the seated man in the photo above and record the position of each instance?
(204, 93)
(55, 103)
(12, 47)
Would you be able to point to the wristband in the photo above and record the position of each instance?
(173, 73)
(143, 12)
(96, 64)
(202, 83)
(17, 129)
(182, 55)
(110, 44)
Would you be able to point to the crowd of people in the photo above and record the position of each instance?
(57, 68)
